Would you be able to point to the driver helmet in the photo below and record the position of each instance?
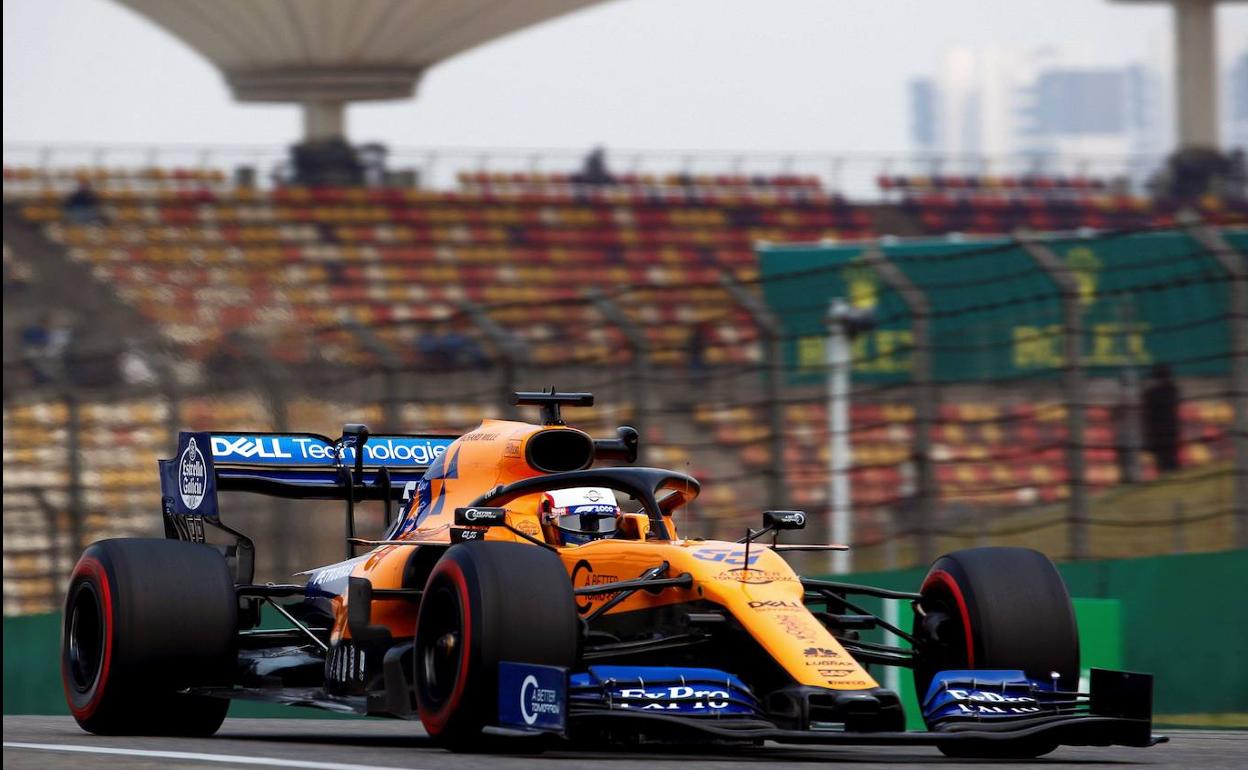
(578, 515)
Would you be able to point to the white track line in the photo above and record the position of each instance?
(195, 756)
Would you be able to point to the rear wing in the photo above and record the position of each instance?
(293, 465)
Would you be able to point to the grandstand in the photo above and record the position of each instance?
(203, 260)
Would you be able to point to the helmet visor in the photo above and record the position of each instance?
(594, 519)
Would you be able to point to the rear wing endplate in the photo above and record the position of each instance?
(292, 465)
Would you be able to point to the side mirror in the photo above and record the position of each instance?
(480, 517)
(623, 447)
(784, 520)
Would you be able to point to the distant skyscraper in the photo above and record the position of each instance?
(1078, 103)
(923, 117)
(1091, 111)
(999, 102)
(1237, 103)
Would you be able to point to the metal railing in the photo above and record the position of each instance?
(852, 174)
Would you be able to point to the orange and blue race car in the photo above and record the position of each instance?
(534, 583)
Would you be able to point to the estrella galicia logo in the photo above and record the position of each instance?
(192, 476)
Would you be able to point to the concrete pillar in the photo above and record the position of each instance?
(323, 121)
(1195, 73)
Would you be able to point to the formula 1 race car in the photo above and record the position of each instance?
(521, 591)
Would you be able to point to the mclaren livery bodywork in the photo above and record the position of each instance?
(467, 614)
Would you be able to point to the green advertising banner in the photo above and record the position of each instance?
(1146, 298)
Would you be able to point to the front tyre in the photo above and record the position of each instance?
(996, 608)
(144, 619)
(485, 603)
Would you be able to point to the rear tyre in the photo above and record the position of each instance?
(484, 603)
(996, 608)
(144, 619)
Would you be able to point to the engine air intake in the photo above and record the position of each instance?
(559, 450)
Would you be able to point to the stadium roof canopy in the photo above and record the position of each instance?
(325, 53)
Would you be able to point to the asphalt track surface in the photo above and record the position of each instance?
(312, 744)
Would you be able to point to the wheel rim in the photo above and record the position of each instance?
(85, 637)
(440, 644)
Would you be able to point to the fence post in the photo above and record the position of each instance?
(892, 531)
(61, 562)
(1074, 385)
(73, 467)
(510, 350)
(640, 348)
(1235, 264)
(269, 378)
(167, 381)
(390, 366)
(773, 361)
(925, 392)
(1177, 519)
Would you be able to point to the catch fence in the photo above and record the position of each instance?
(1004, 391)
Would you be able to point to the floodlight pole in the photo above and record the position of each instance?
(839, 360)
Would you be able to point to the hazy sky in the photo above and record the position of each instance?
(820, 75)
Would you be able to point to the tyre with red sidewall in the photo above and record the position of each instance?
(996, 608)
(485, 603)
(144, 619)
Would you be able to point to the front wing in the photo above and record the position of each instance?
(1116, 712)
(1074, 730)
